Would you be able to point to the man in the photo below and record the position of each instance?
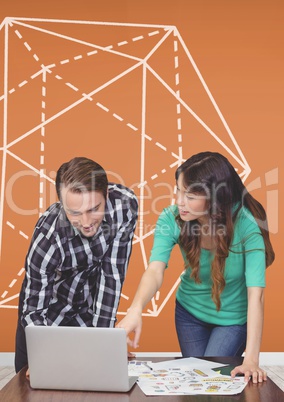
(78, 256)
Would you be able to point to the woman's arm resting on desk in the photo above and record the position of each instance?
(150, 283)
(250, 366)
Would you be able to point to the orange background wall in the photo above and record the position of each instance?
(237, 47)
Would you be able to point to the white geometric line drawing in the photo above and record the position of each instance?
(173, 84)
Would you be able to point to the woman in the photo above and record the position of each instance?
(223, 236)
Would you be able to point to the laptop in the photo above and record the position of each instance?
(78, 358)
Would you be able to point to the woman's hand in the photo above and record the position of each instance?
(132, 322)
(250, 370)
(250, 366)
(151, 281)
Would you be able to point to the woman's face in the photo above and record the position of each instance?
(191, 206)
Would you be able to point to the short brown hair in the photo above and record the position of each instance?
(81, 175)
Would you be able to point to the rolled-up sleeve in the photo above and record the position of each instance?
(41, 262)
(114, 267)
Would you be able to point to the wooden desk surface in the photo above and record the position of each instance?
(19, 390)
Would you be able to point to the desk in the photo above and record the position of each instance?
(19, 390)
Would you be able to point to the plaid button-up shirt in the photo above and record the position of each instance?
(75, 280)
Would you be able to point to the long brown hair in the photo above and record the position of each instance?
(211, 174)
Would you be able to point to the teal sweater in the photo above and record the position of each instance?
(245, 267)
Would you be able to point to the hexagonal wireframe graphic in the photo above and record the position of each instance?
(127, 95)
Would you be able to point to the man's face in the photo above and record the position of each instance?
(85, 211)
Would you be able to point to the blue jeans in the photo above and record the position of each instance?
(197, 338)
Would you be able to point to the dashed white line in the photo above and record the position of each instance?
(102, 106)
(23, 83)
(175, 46)
(21, 271)
(20, 232)
(161, 146)
(137, 38)
(10, 224)
(117, 117)
(27, 46)
(142, 184)
(72, 86)
(147, 137)
(36, 74)
(12, 283)
(153, 33)
(92, 52)
(176, 61)
(177, 78)
(132, 127)
(99, 104)
(23, 234)
(18, 34)
(65, 61)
